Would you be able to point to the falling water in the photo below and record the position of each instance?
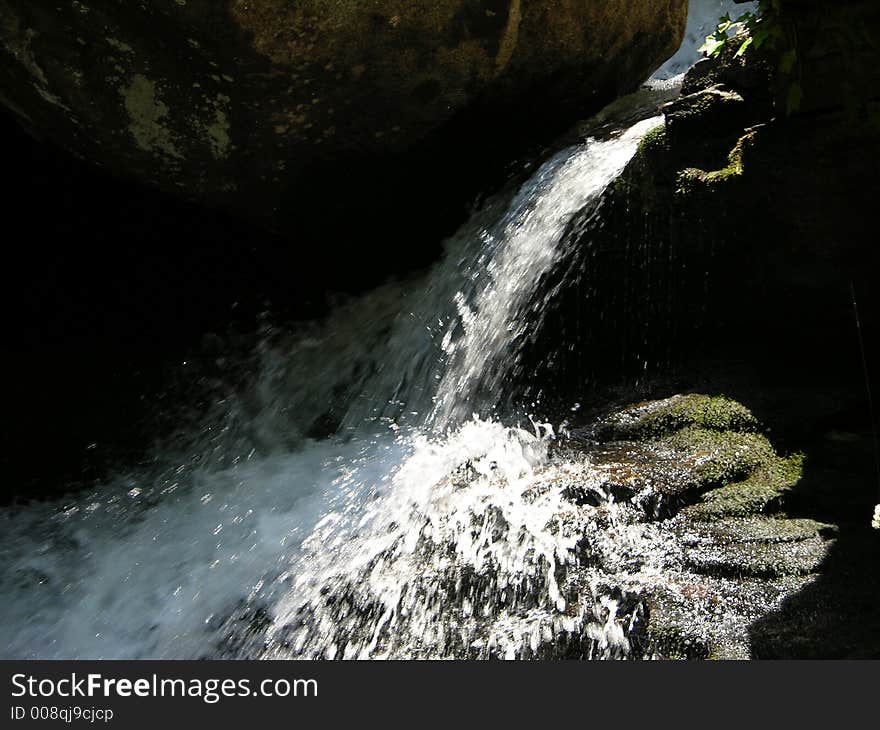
(432, 523)
(362, 544)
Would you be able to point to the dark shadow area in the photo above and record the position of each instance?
(811, 395)
(806, 383)
(835, 616)
(110, 291)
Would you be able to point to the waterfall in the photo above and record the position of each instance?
(431, 523)
(326, 546)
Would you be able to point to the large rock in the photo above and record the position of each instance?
(262, 105)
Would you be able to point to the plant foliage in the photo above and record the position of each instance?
(762, 29)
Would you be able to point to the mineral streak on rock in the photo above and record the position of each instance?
(236, 103)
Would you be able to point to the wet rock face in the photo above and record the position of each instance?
(258, 105)
(735, 234)
(717, 547)
(603, 549)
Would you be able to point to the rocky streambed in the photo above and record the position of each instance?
(669, 529)
(712, 490)
(746, 569)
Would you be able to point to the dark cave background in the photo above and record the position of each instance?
(108, 288)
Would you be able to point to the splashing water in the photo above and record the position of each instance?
(479, 302)
(424, 528)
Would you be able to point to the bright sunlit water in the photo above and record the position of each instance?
(146, 569)
(431, 525)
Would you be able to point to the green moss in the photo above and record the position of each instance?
(761, 529)
(148, 118)
(722, 456)
(662, 418)
(621, 186)
(690, 180)
(761, 492)
(760, 560)
(654, 140)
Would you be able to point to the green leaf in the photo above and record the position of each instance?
(744, 47)
(713, 45)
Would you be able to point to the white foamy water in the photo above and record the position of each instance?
(419, 530)
(702, 20)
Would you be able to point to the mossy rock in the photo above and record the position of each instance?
(713, 112)
(763, 491)
(661, 418)
(758, 547)
(654, 140)
(697, 453)
(691, 180)
(721, 456)
(759, 560)
(682, 465)
(670, 632)
(767, 530)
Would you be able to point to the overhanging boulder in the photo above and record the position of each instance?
(260, 106)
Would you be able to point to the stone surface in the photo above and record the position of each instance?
(735, 236)
(699, 471)
(661, 418)
(757, 560)
(757, 530)
(262, 106)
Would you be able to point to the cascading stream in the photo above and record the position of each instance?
(331, 544)
(424, 528)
